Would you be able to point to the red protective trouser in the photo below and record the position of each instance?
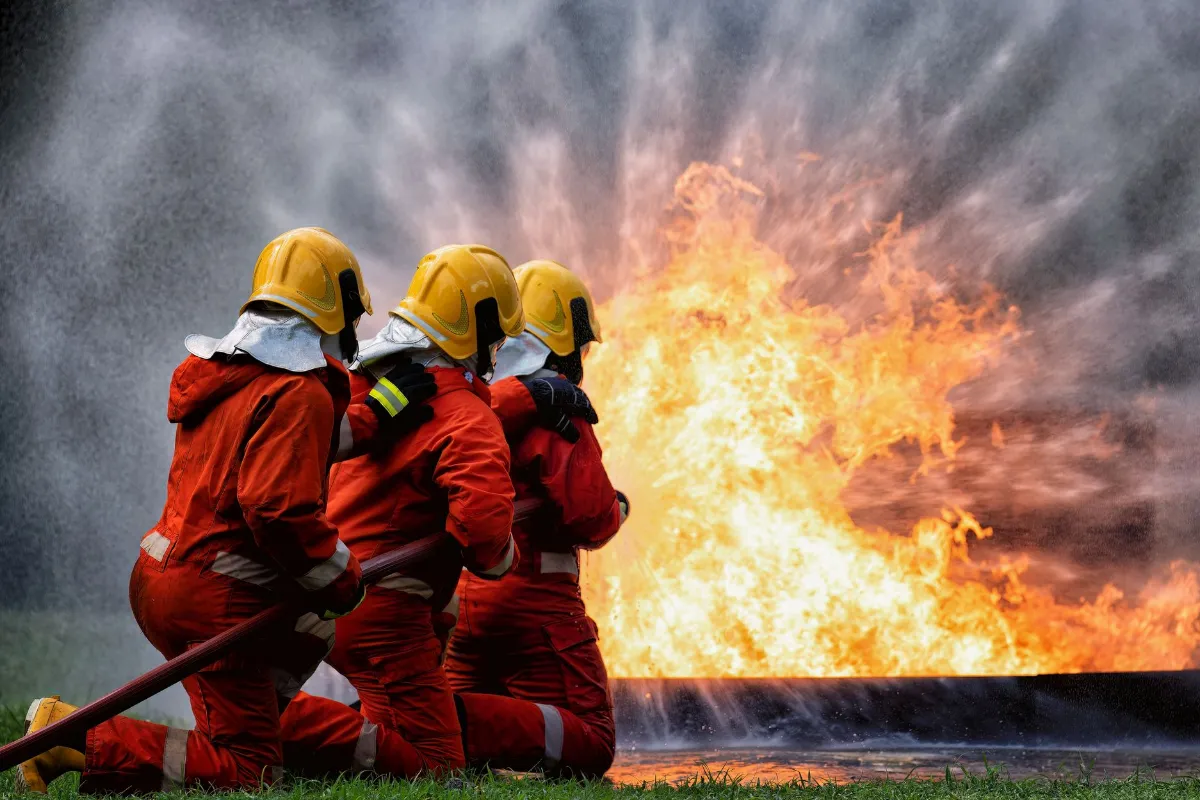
(236, 742)
(536, 697)
(388, 650)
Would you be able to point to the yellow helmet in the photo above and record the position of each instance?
(311, 271)
(558, 306)
(465, 298)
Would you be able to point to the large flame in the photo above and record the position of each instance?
(735, 416)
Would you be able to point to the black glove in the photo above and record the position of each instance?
(398, 398)
(623, 502)
(557, 400)
(336, 610)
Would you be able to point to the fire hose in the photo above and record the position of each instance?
(178, 668)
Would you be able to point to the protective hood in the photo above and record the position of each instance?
(400, 337)
(523, 356)
(198, 386)
(279, 338)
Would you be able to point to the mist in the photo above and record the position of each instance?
(1047, 147)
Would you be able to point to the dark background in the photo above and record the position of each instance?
(148, 151)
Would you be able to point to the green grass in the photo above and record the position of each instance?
(955, 784)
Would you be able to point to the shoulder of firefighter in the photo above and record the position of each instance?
(281, 487)
(387, 408)
(576, 483)
(513, 405)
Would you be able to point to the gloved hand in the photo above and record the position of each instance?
(341, 607)
(341, 596)
(398, 398)
(557, 401)
(623, 502)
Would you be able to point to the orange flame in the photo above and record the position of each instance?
(735, 416)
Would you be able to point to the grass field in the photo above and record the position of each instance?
(959, 785)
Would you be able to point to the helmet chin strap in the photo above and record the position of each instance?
(571, 365)
(352, 309)
(487, 333)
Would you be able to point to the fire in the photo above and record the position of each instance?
(735, 416)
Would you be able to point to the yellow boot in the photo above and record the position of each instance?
(33, 775)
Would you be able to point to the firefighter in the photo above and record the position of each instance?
(260, 415)
(450, 475)
(530, 683)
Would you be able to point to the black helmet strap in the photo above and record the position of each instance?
(352, 309)
(571, 365)
(487, 333)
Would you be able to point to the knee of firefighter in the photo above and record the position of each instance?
(262, 775)
(392, 753)
(582, 750)
(258, 774)
(240, 764)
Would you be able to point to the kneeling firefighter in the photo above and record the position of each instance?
(452, 475)
(261, 413)
(530, 683)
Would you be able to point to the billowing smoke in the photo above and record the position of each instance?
(1048, 147)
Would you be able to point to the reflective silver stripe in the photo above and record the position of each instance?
(559, 562)
(286, 301)
(452, 607)
(365, 749)
(323, 629)
(328, 570)
(536, 331)
(426, 328)
(345, 439)
(403, 583)
(243, 569)
(554, 734)
(174, 763)
(505, 562)
(155, 545)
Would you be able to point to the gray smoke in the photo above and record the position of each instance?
(1046, 146)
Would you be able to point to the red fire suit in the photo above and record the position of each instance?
(450, 474)
(244, 519)
(523, 661)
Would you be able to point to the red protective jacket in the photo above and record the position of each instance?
(575, 504)
(449, 474)
(247, 482)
